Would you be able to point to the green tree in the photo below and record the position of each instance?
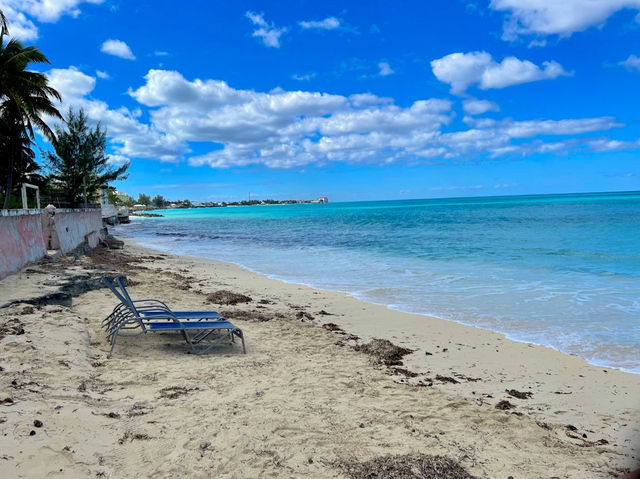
(119, 199)
(79, 166)
(25, 98)
(158, 201)
(144, 199)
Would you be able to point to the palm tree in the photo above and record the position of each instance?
(25, 167)
(4, 25)
(25, 98)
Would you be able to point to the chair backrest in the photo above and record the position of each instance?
(125, 293)
(124, 298)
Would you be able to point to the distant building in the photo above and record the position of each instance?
(323, 199)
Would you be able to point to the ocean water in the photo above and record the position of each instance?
(557, 270)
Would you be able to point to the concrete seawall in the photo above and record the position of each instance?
(73, 227)
(21, 239)
(26, 235)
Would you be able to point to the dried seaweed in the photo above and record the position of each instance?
(504, 405)
(384, 351)
(410, 466)
(227, 297)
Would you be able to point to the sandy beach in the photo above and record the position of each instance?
(317, 395)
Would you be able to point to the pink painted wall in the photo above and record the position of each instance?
(21, 240)
(25, 235)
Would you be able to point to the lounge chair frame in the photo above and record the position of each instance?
(133, 318)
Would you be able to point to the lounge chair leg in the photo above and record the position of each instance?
(113, 345)
(241, 336)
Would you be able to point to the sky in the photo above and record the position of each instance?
(216, 101)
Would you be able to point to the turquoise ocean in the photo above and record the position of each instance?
(556, 270)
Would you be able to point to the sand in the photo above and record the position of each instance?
(305, 401)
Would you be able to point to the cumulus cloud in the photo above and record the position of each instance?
(19, 25)
(21, 13)
(473, 106)
(50, 10)
(330, 23)
(385, 69)
(284, 129)
(631, 63)
(102, 75)
(117, 48)
(128, 137)
(460, 70)
(71, 83)
(269, 33)
(556, 17)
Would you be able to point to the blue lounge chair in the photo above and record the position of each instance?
(133, 318)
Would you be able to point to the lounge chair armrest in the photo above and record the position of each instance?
(157, 313)
(152, 301)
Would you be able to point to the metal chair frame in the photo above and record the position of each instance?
(153, 315)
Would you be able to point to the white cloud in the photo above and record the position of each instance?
(607, 144)
(269, 34)
(385, 69)
(556, 17)
(20, 14)
(127, 135)
(330, 23)
(512, 71)
(117, 48)
(473, 106)
(461, 70)
(50, 10)
(532, 128)
(71, 83)
(631, 63)
(19, 25)
(102, 75)
(118, 160)
(360, 100)
(284, 129)
(306, 77)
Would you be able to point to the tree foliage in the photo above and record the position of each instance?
(79, 164)
(144, 199)
(158, 201)
(25, 100)
(119, 199)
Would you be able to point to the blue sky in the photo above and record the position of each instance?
(212, 101)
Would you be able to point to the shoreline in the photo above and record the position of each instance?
(553, 377)
(302, 399)
(358, 297)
